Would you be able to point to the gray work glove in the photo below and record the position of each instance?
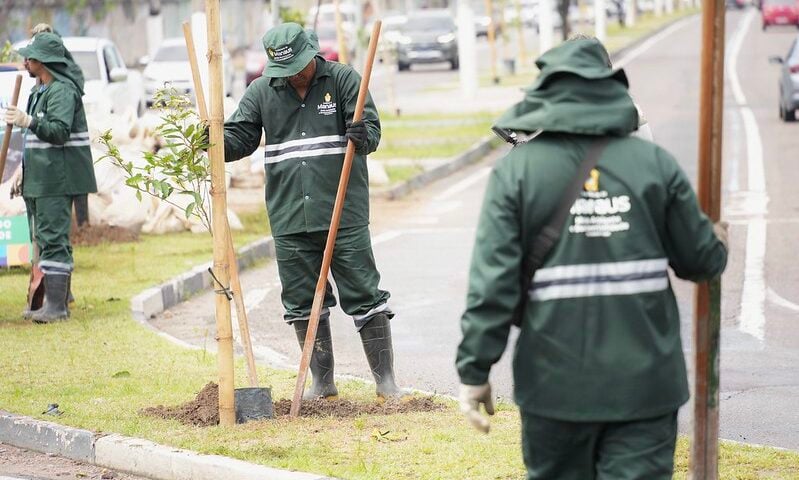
(15, 116)
(470, 398)
(16, 184)
(356, 131)
(720, 229)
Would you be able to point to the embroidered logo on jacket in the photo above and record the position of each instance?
(328, 107)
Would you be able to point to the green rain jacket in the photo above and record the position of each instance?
(600, 337)
(58, 158)
(305, 147)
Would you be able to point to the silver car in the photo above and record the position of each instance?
(789, 82)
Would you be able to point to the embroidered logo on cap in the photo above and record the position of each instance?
(281, 54)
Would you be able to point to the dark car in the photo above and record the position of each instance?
(779, 12)
(789, 82)
(429, 36)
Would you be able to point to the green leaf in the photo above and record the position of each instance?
(121, 374)
(190, 209)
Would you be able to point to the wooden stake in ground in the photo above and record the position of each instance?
(338, 207)
(492, 39)
(9, 128)
(235, 283)
(224, 330)
(707, 318)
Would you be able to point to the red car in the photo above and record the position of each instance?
(780, 12)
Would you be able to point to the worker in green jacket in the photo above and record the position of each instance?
(305, 106)
(599, 372)
(57, 163)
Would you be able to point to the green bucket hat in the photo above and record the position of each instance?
(289, 49)
(586, 58)
(46, 47)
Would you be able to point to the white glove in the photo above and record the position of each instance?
(17, 117)
(470, 398)
(720, 229)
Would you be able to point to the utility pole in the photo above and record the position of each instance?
(600, 20)
(546, 29)
(707, 301)
(467, 50)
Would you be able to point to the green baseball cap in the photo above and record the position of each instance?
(289, 49)
(46, 47)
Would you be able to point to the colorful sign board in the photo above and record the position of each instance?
(15, 241)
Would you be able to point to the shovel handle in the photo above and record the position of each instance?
(9, 128)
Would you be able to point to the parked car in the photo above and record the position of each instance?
(329, 47)
(780, 12)
(170, 65)
(789, 82)
(429, 36)
(110, 86)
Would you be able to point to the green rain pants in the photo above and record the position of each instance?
(50, 220)
(634, 450)
(299, 260)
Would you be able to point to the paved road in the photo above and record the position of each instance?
(20, 464)
(423, 244)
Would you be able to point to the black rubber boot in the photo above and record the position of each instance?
(55, 300)
(376, 339)
(322, 378)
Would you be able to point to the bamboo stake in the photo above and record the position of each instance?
(235, 283)
(319, 295)
(9, 128)
(224, 330)
(707, 300)
(343, 55)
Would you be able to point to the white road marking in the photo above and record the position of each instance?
(386, 236)
(641, 49)
(776, 299)
(464, 184)
(753, 296)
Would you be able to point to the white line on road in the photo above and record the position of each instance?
(753, 295)
(777, 299)
(641, 49)
(463, 184)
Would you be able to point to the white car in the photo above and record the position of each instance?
(170, 66)
(110, 87)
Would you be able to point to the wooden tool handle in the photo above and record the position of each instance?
(319, 295)
(9, 128)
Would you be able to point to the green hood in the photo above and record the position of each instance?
(49, 49)
(576, 92)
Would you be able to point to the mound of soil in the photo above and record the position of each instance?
(203, 411)
(90, 235)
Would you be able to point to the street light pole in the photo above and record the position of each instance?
(707, 317)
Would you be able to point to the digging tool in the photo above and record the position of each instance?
(707, 301)
(338, 207)
(235, 283)
(9, 128)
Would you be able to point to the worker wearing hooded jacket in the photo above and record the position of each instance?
(57, 163)
(599, 372)
(305, 106)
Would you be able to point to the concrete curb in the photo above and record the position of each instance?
(132, 455)
(155, 300)
(475, 153)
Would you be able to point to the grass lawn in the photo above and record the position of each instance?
(77, 364)
(420, 137)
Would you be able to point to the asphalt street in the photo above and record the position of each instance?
(424, 241)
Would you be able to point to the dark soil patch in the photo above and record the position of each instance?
(90, 235)
(203, 411)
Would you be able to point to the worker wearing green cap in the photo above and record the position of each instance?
(598, 368)
(57, 163)
(305, 106)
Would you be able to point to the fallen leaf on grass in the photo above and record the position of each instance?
(121, 374)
